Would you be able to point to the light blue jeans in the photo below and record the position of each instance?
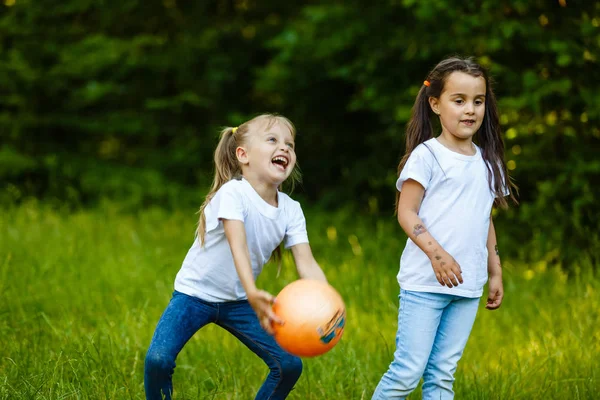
(433, 330)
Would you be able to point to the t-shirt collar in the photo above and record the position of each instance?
(265, 208)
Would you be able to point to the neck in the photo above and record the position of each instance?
(462, 146)
(268, 192)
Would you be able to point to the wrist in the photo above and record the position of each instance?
(251, 291)
(435, 251)
(495, 273)
(430, 254)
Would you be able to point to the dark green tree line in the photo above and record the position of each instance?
(124, 99)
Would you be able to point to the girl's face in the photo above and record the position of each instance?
(461, 106)
(268, 154)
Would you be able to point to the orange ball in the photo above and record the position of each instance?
(314, 316)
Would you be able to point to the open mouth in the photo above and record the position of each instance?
(468, 122)
(280, 162)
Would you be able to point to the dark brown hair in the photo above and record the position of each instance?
(488, 137)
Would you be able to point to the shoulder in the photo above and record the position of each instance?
(290, 206)
(426, 149)
(232, 187)
(288, 202)
(425, 152)
(232, 190)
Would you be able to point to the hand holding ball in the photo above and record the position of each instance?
(314, 316)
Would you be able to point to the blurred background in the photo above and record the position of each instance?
(110, 112)
(123, 100)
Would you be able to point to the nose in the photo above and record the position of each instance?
(470, 109)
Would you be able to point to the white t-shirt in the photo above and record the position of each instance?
(456, 210)
(209, 272)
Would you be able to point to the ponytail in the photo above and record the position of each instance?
(490, 140)
(489, 136)
(226, 168)
(419, 128)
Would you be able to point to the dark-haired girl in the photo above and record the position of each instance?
(447, 184)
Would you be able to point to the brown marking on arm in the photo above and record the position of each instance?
(419, 229)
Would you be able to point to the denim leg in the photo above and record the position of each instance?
(450, 341)
(183, 317)
(418, 321)
(240, 319)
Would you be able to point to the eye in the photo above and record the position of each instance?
(478, 102)
(271, 139)
(290, 145)
(459, 101)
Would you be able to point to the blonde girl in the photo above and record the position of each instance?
(243, 220)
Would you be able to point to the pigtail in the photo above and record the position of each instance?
(226, 168)
(489, 136)
(419, 127)
(492, 145)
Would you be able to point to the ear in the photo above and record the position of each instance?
(242, 155)
(434, 104)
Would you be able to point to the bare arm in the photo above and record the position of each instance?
(447, 270)
(260, 300)
(494, 266)
(306, 264)
(495, 286)
(236, 236)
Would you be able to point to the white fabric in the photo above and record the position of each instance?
(209, 272)
(456, 210)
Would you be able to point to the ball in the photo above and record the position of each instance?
(314, 316)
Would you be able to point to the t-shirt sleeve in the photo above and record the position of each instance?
(418, 168)
(228, 203)
(296, 229)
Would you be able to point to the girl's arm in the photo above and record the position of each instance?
(306, 264)
(495, 287)
(260, 300)
(447, 271)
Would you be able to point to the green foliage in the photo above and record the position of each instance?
(544, 60)
(81, 293)
(110, 100)
(89, 91)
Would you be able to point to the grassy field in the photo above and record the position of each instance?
(80, 295)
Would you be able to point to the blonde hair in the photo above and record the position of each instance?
(227, 166)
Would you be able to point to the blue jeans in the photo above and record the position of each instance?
(433, 330)
(185, 315)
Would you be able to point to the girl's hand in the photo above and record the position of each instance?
(262, 304)
(447, 271)
(495, 292)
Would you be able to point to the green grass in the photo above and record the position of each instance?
(80, 295)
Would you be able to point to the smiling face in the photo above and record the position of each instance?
(461, 106)
(268, 156)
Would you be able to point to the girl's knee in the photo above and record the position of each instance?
(405, 375)
(157, 363)
(396, 384)
(291, 367)
(438, 378)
